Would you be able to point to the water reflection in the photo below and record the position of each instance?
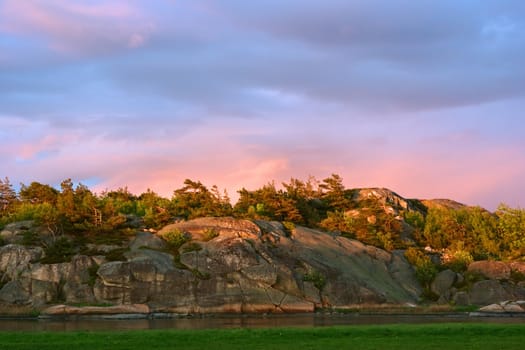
(316, 320)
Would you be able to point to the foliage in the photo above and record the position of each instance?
(458, 259)
(316, 278)
(465, 233)
(37, 193)
(267, 203)
(289, 226)
(61, 250)
(511, 225)
(196, 200)
(176, 238)
(30, 238)
(209, 234)
(426, 271)
(116, 254)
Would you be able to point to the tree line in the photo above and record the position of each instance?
(464, 234)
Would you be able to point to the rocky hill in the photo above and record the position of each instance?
(232, 265)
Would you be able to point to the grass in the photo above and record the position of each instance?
(405, 337)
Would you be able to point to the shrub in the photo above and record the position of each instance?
(176, 238)
(458, 260)
(425, 269)
(289, 226)
(209, 234)
(517, 276)
(30, 238)
(316, 278)
(116, 254)
(60, 251)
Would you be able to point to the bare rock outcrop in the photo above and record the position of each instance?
(229, 265)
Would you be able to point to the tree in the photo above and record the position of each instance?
(268, 203)
(8, 197)
(38, 193)
(154, 209)
(196, 200)
(76, 207)
(333, 193)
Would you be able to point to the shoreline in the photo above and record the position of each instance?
(195, 316)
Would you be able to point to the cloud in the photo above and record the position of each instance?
(77, 28)
(416, 96)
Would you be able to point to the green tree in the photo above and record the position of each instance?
(76, 207)
(196, 200)
(267, 203)
(155, 210)
(334, 193)
(38, 193)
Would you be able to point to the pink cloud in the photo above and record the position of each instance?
(78, 28)
(214, 154)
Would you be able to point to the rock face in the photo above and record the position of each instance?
(229, 265)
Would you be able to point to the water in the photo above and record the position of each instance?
(224, 322)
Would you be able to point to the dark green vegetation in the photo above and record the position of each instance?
(437, 336)
(461, 233)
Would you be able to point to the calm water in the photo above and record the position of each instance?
(240, 322)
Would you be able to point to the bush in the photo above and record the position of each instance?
(289, 226)
(116, 254)
(60, 251)
(176, 238)
(209, 234)
(517, 276)
(426, 271)
(316, 278)
(459, 260)
(30, 238)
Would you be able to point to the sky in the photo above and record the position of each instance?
(422, 97)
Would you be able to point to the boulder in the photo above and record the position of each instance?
(13, 292)
(148, 240)
(513, 307)
(44, 292)
(443, 282)
(78, 293)
(492, 308)
(224, 226)
(495, 270)
(15, 259)
(13, 233)
(488, 292)
(461, 299)
(58, 310)
(503, 307)
(518, 266)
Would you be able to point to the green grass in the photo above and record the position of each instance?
(403, 337)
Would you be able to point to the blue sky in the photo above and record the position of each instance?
(425, 97)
